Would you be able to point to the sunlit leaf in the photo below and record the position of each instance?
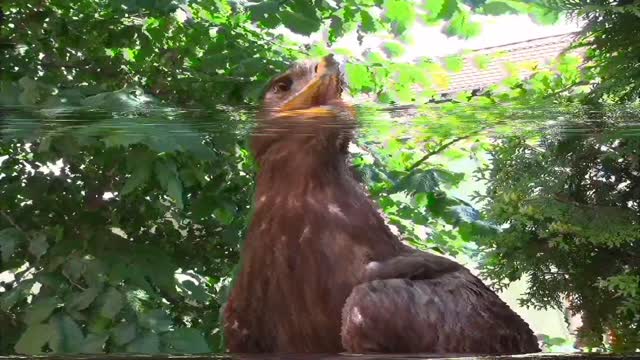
(454, 63)
(401, 13)
(301, 19)
(318, 50)
(336, 27)
(368, 24)
(545, 16)
(359, 77)
(393, 49)
(462, 26)
(261, 10)
(433, 7)
(447, 9)
(499, 7)
(482, 61)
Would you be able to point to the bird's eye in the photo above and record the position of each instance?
(283, 85)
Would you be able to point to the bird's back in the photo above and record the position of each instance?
(453, 313)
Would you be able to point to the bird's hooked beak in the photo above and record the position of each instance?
(315, 100)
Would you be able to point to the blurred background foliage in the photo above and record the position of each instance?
(126, 182)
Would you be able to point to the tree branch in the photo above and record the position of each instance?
(13, 223)
(440, 149)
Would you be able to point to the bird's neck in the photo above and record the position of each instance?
(301, 153)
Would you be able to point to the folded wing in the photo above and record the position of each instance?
(425, 303)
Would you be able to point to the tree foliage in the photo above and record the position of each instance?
(609, 37)
(569, 210)
(568, 202)
(129, 240)
(126, 183)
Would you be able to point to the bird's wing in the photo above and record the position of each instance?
(430, 310)
(414, 265)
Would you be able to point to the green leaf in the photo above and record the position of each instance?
(40, 310)
(156, 320)
(359, 78)
(393, 49)
(417, 182)
(98, 325)
(225, 213)
(482, 61)
(139, 177)
(470, 231)
(428, 181)
(73, 268)
(9, 239)
(174, 190)
(448, 8)
(463, 213)
(19, 293)
(185, 341)
(167, 175)
(336, 28)
(148, 343)
(8, 93)
(94, 273)
(318, 50)
(544, 16)
(196, 291)
(498, 7)
(38, 245)
(93, 344)
(112, 303)
(34, 338)
(556, 341)
(82, 300)
(67, 337)
(262, 9)
(401, 13)
(433, 8)
(300, 19)
(368, 24)
(454, 63)
(462, 26)
(123, 333)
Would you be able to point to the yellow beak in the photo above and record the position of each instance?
(324, 86)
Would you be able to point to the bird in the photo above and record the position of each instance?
(320, 271)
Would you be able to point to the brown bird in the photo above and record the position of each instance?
(320, 270)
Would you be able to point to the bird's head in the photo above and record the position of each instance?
(308, 90)
(305, 104)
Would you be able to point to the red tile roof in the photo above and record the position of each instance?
(541, 51)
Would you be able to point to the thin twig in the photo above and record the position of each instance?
(13, 223)
(440, 149)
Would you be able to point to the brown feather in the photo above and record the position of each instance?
(321, 272)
